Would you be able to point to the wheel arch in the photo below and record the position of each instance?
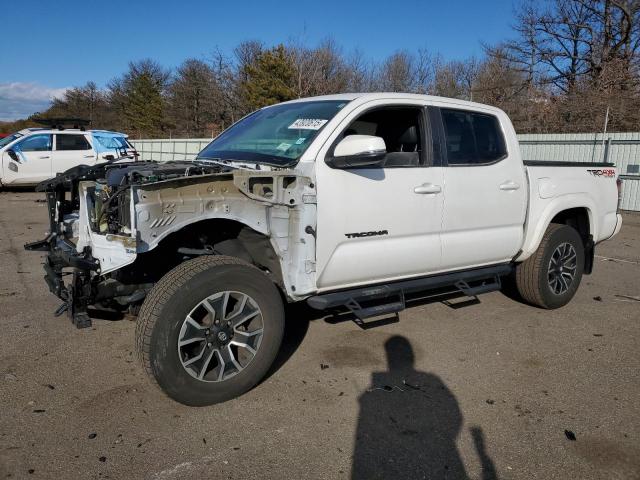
(227, 236)
(574, 212)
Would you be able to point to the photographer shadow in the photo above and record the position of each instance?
(408, 425)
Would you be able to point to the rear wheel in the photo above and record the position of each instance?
(551, 276)
(210, 329)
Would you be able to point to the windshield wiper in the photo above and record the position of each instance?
(228, 163)
(205, 159)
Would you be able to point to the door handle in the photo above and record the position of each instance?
(509, 186)
(89, 156)
(46, 156)
(428, 188)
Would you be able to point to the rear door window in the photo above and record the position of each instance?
(71, 142)
(472, 138)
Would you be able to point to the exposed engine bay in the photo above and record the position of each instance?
(119, 227)
(109, 199)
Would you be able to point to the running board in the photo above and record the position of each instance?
(390, 298)
(363, 313)
(492, 285)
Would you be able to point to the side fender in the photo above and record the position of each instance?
(543, 211)
(272, 204)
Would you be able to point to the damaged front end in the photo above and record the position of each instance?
(116, 229)
(92, 235)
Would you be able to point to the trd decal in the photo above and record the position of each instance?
(607, 172)
(366, 234)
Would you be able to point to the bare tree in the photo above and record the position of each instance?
(319, 71)
(358, 69)
(425, 67)
(87, 102)
(581, 56)
(456, 79)
(397, 73)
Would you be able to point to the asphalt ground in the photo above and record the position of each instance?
(494, 389)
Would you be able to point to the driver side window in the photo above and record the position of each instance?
(401, 129)
(35, 143)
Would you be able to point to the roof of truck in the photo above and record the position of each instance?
(369, 96)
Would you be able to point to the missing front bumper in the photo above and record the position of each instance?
(73, 277)
(64, 261)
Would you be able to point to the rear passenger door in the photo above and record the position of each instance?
(485, 189)
(71, 149)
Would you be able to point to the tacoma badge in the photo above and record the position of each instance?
(366, 234)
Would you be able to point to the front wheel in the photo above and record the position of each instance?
(210, 329)
(551, 276)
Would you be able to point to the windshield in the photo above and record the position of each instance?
(7, 140)
(276, 135)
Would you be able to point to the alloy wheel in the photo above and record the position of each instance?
(221, 336)
(562, 268)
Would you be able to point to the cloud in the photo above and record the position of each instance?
(21, 99)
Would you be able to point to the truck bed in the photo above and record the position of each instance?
(556, 163)
(579, 185)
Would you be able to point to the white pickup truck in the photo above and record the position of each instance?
(353, 202)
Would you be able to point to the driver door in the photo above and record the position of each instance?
(33, 163)
(380, 224)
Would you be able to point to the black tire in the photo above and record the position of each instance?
(174, 297)
(532, 275)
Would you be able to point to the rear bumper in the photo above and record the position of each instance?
(618, 225)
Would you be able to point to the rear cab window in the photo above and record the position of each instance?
(472, 138)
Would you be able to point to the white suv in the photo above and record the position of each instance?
(32, 155)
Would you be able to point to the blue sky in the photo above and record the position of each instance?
(57, 45)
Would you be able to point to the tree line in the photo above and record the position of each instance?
(569, 65)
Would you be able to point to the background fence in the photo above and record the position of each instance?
(165, 150)
(622, 149)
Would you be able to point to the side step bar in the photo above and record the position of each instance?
(376, 310)
(390, 298)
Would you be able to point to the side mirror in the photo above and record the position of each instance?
(109, 157)
(13, 155)
(357, 151)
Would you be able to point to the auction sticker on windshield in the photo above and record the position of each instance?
(308, 124)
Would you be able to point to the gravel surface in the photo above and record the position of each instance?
(490, 390)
